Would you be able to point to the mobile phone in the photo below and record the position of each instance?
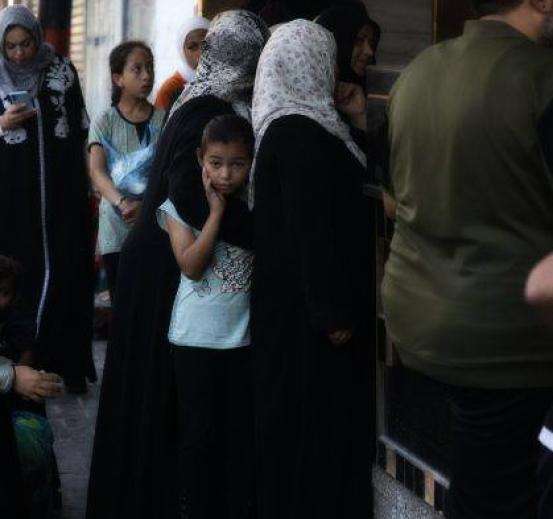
(19, 97)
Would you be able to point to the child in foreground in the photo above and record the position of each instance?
(210, 335)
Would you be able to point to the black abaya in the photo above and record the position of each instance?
(46, 225)
(134, 461)
(311, 277)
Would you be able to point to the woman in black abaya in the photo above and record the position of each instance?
(310, 300)
(133, 470)
(44, 199)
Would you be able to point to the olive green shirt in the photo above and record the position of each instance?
(475, 209)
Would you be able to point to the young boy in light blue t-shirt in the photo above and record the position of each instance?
(210, 335)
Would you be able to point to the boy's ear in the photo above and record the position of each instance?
(200, 157)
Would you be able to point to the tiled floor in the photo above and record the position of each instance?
(394, 501)
(73, 418)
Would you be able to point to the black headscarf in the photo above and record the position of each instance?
(345, 21)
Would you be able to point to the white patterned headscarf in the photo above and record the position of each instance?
(229, 60)
(296, 76)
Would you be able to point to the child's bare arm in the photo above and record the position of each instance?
(99, 176)
(102, 183)
(194, 254)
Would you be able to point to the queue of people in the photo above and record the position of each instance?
(235, 236)
(224, 418)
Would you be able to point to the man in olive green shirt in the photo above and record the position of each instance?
(474, 213)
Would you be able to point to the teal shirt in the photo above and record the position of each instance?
(123, 136)
(213, 312)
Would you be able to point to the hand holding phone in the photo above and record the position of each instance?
(20, 97)
(17, 112)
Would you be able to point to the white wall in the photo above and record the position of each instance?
(406, 29)
(103, 32)
(155, 21)
(169, 16)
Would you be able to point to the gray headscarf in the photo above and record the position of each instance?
(229, 60)
(25, 76)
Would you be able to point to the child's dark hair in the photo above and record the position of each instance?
(228, 128)
(10, 275)
(118, 59)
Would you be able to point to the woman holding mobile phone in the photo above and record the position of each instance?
(44, 217)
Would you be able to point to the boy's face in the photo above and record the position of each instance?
(227, 165)
(6, 296)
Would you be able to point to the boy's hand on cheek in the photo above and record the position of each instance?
(217, 201)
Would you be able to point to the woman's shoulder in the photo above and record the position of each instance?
(168, 90)
(197, 112)
(173, 82)
(202, 104)
(298, 129)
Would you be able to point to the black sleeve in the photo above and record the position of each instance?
(545, 131)
(379, 155)
(359, 137)
(545, 468)
(375, 143)
(18, 335)
(309, 164)
(184, 175)
(78, 115)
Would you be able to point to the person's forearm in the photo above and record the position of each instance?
(195, 259)
(390, 206)
(105, 186)
(6, 375)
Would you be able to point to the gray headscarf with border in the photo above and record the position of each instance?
(229, 60)
(25, 76)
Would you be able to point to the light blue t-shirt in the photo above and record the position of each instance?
(213, 312)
